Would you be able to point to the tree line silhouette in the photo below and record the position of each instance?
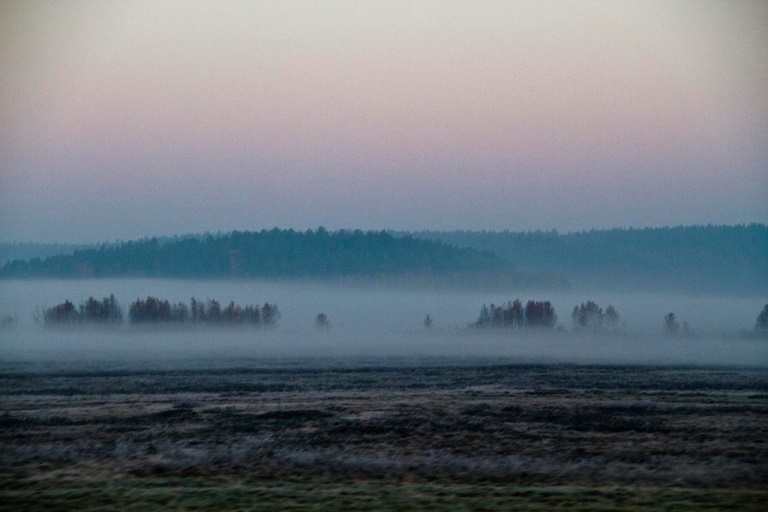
(591, 316)
(682, 258)
(267, 253)
(105, 311)
(513, 314)
(153, 310)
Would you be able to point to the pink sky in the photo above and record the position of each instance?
(125, 119)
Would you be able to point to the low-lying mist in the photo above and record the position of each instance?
(371, 325)
(235, 347)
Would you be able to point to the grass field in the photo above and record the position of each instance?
(383, 436)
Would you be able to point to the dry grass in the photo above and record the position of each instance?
(483, 437)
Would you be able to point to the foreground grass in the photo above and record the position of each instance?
(148, 494)
(515, 437)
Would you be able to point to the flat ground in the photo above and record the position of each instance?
(384, 437)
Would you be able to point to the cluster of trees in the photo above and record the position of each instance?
(591, 316)
(513, 314)
(105, 311)
(154, 310)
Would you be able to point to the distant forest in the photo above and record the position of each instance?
(27, 250)
(684, 259)
(273, 253)
(700, 259)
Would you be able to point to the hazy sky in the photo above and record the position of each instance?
(130, 118)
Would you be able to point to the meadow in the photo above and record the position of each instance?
(398, 434)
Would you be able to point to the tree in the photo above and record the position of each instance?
(428, 321)
(587, 315)
(540, 314)
(193, 307)
(105, 311)
(517, 313)
(762, 320)
(214, 313)
(269, 314)
(485, 317)
(670, 324)
(612, 317)
(233, 313)
(321, 321)
(64, 313)
(512, 314)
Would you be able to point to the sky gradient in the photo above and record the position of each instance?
(126, 119)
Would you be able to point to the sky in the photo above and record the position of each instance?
(120, 120)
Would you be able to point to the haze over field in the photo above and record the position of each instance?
(128, 120)
(131, 119)
(368, 324)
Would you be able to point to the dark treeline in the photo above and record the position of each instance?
(513, 314)
(591, 316)
(153, 310)
(105, 311)
(686, 258)
(273, 253)
(28, 250)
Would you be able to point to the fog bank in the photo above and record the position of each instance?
(377, 323)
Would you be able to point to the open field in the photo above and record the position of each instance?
(384, 435)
